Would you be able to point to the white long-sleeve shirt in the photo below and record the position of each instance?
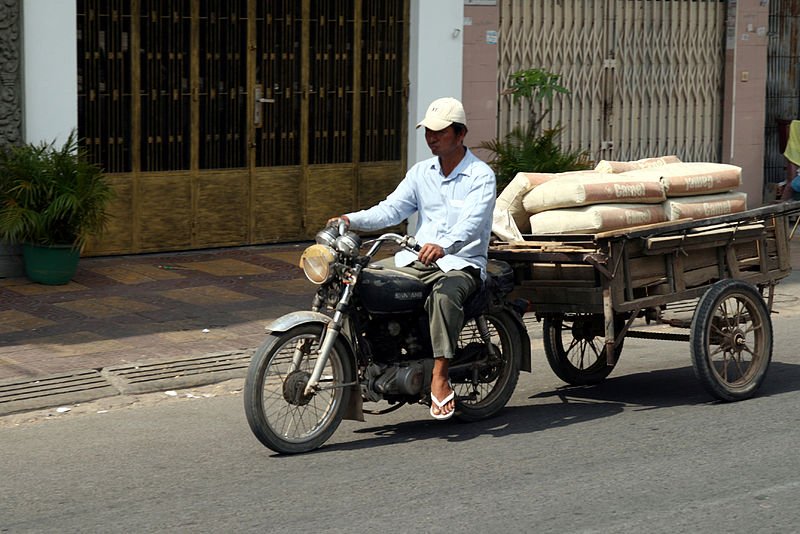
(454, 211)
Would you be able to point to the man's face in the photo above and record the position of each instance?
(444, 142)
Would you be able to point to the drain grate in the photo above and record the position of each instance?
(19, 395)
(67, 388)
(176, 374)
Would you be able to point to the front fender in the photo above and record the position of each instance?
(290, 320)
(354, 410)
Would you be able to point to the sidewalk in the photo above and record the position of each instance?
(130, 324)
(152, 322)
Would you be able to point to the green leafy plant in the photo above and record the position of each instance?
(520, 151)
(50, 195)
(535, 86)
(525, 148)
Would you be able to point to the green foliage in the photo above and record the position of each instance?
(521, 151)
(524, 149)
(51, 196)
(535, 85)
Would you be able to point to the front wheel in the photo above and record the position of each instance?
(575, 347)
(731, 340)
(280, 415)
(486, 387)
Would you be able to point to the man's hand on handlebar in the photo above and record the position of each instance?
(342, 221)
(430, 252)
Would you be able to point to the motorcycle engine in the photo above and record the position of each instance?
(401, 364)
(399, 380)
(397, 339)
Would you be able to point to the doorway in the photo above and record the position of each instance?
(224, 123)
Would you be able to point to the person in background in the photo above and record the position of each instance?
(453, 194)
(791, 190)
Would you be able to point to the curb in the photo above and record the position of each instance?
(22, 395)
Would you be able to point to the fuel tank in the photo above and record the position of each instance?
(387, 291)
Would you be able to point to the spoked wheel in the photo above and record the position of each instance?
(575, 348)
(483, 390)
(731, 340)
(279, 412)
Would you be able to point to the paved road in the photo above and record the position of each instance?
(645, 452)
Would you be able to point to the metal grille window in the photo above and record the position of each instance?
(279, 30)
(104, 81)
(330, 88)
(165, 96)
(383, 88)
(310, 82)
(223, 94)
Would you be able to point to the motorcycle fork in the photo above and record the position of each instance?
(326, 344)
(300, 351)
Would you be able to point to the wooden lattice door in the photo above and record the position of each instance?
(238, 122)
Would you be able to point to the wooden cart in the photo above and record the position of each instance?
(589, 289)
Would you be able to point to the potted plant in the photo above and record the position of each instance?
(52, 200)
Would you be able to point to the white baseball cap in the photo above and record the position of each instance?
(442, 113)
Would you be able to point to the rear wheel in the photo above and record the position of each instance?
(483, 389)
(731, 340)
(575, 348)
(280, 414)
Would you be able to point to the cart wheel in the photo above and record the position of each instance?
(575, 349)
(731, 340)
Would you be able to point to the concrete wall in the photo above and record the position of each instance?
(435, 63)
(481, 23)
(50, 77)
(745, 94)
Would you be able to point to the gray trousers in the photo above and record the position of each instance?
(445, 304)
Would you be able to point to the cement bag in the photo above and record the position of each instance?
(696, 178)
(625, 166)
(592, 188)
(594, 219)
(509, 218)
(703, 206)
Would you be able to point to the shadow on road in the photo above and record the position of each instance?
(669, 387)
(638, 391)
(511, 421)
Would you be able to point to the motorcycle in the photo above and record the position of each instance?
(367, 339)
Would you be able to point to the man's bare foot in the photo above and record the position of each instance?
(442, 407)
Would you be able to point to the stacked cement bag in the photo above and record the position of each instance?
(594, 202)
(703, 206)
(697, 190)
(510, 220)
(596, 218)
(616, 195)
(625, 166)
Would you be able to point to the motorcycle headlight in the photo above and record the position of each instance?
(316, 263)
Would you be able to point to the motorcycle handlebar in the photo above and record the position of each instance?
(406, 241)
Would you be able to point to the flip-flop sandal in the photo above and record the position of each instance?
(440, 404)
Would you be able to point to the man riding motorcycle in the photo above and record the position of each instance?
(453, 194)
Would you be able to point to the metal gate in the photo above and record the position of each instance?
(783, 84)
(646, 77)
(230, 122)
